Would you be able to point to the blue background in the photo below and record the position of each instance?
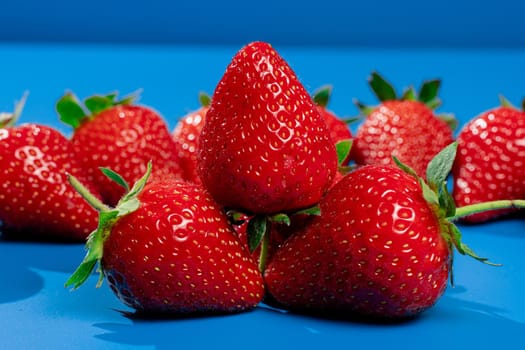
(458, 23)
(172, 51)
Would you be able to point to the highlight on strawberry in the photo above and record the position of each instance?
(36, 200)
(167, 247)
(491, 159)
(121, 135)
(382, 247)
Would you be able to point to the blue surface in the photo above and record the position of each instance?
(334, 22)
(484, 310)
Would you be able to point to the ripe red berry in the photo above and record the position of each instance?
(491, 160)
(264, 147)
(168, 248)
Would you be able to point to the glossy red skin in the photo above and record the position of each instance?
(338, 129)
(490, 161)
(186, 137)
(36, 198)
(178, 254)
(408, 130)
(376, 250)
(264, 147)
(125, 138)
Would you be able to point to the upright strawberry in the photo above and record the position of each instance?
(491, 159)
(264, 148)
(405, 127)
(168, 248)
(186, 137)
(35, 197)
(382, 246)
(119, 135)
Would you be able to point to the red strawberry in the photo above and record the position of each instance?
(337, 127)
(168, 248)
(264, 241)
(186, 136)
(404, 127)
(491, 160)
(35, 197)
(382, 246)
(264, 147)
(120, 136)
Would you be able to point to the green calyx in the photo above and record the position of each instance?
(440, 200)
(108, 216)
(506, 103)
(427, 94)
(204, 99)
(321, 98)
(7, 119)
(259, 227)
(73, 112)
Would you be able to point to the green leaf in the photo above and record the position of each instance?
(70, 110)
(464, 249)
(405, 167)
(343, 148)
(131, 98)
(523, 104)
(322, 95)
(381, 88)
(429, 90)
(505, 103)
(204, 99)
(256, 231)
(280, 218)
(434, 103)
(429, 194)
(351, 120)
(440, 166)
(82, 273)
(98, 103)
(315, 210)
(409, 94)
(450, 119)
(113, 176)
(446, 201)
(363, 109)
(236, 217)
(138, 186)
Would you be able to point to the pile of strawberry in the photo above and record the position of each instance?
(263, 194)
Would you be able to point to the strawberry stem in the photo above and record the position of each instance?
(263, 255)
(493, 205)
(88, 196)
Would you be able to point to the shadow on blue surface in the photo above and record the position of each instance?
(264, 327)
(22, 257)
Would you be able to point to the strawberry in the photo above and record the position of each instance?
(337, 127)
(490, 163)
(264, 148)
(35, 199)
(168, 248)
(405, 127)
(121, 136)
(186, 136)
(382, 246)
